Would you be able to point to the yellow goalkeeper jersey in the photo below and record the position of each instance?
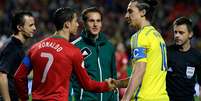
(148, 46)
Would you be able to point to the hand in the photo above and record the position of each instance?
(111, 83)
(122, 83)
(116, 83)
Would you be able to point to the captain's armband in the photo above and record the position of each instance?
(139, 53)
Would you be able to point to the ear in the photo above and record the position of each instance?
(19, 27)
(143, 12)
(67, 24)
(190, 34)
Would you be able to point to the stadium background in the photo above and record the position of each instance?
(114, 24)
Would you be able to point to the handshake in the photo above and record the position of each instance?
(114, 84)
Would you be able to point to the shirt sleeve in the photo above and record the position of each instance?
(86, 82)
(21, 80)
(7, 59)
(140, 46)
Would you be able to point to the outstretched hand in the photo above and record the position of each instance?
(112, 83)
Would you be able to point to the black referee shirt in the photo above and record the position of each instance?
(11, 55)
(184, 70)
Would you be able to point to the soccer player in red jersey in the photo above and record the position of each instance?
(53, 60)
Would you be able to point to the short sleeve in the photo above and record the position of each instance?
(139, 46)
(7, 60)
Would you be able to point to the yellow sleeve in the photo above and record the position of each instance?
(139, 52)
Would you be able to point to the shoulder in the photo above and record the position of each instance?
(75, 53)
(37, 45)
(76, 50)
(73, 49)
(145, 34)
(147, 30)
(109, 43)
(110, 47)
(196, 52)
(8, 47)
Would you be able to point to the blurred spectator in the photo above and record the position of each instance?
(121, 61)
(3, 39)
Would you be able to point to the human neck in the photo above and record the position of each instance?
(144, 23)
(91, 36)
(20, 37)
(185, 47)
(63, 34)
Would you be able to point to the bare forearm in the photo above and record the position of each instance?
(4, 87)
(134, 82)
(122, 83)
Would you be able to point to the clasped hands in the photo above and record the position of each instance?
(112, 83)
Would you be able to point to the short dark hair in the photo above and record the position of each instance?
(88, 10)
(148, 5)
(61, 15)
(18, 19)
(184, 20)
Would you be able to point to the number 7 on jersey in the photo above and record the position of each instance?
(50, 58)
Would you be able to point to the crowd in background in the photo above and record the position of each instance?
(114, 24)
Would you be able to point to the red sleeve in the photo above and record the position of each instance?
(86, 82)
(21, 82)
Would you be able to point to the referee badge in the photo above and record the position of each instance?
(190, 72)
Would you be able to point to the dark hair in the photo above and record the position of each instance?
(18, 19)
(62, 15)
(148, 5)
(184, 20)
(88, 10)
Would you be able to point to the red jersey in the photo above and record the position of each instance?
(53, 60)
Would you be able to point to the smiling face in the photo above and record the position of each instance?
(181, 34)
(93, 23)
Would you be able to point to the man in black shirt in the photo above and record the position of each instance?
(12, 53)
(184, 63)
